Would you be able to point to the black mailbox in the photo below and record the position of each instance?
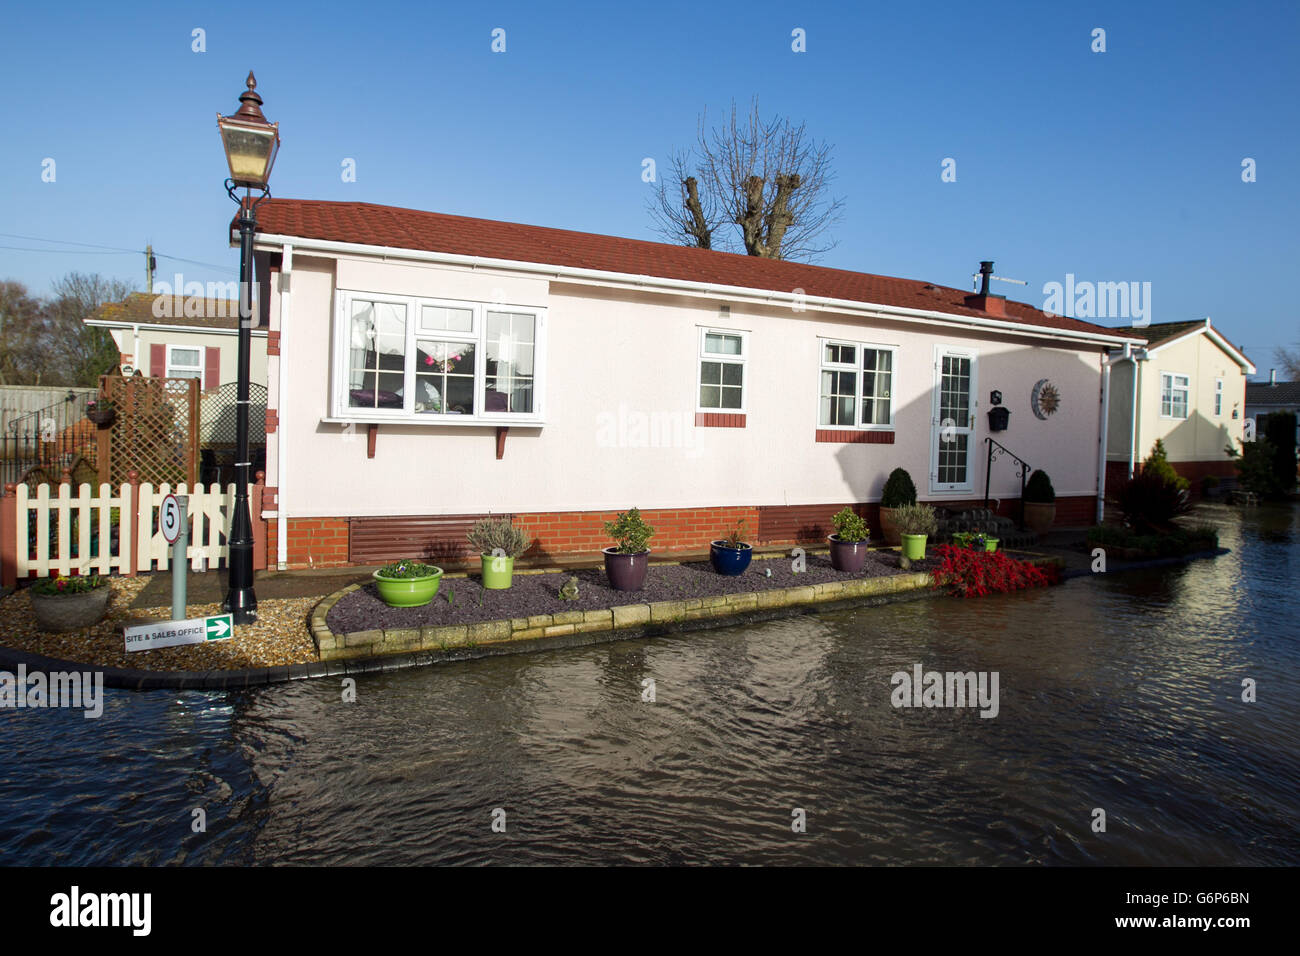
(998, 418)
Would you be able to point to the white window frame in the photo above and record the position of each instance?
(341, 411)
(856, 367)
(1218, 398)
(1186, 389)
(706, 356)
(940, 351)
(202, 366)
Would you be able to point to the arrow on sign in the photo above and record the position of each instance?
(218, 628)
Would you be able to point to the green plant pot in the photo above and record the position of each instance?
(914, 546)
(990, 544)
(962, 539)
(498, 571)
(407, 592)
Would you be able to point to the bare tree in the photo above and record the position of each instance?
(768, 178)
(46, 341)
(1289, 359)
(81, 352)
(21, 323)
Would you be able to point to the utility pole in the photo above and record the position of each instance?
(150, 264)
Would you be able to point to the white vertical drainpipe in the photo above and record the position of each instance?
(1133, 410)
(281, 453)
(135, 346)
(1105, 425)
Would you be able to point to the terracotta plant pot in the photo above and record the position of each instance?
(69, 612)
(1039, 516)
(847, 556)
(889, 528)
(626, 572)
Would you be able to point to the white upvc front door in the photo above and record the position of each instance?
(952, 428)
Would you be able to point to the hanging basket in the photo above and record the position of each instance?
(102, 417)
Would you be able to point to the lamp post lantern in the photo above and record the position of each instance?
(250, 143)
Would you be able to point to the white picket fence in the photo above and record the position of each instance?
(209, 511)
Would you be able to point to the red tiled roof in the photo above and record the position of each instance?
(142, 308)
(398, 228)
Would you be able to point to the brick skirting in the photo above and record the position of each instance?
(333, 542)
(1193, 471)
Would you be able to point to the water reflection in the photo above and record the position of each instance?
(1122, 693)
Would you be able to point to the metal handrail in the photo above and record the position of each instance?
(998, 450)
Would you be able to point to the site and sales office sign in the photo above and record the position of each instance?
(199, 630)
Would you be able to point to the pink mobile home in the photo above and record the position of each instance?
(425, 370)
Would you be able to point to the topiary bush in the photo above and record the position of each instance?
(899, 490)
(1039, 488)
(1157, 463)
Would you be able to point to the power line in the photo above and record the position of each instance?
(80, 252)
(63, 242)
(107, 250)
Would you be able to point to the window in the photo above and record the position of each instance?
(184, 362)
(1218, 397)
(1174, 390)
(857, 385)
(436, 360)
(722, 370)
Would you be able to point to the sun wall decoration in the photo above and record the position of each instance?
(1046, 399)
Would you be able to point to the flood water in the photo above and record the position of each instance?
(1122, 693)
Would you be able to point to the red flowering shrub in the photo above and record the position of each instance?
(969, 573)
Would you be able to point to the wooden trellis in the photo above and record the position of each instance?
(156, 431)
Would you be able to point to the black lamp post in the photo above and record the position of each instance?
(251, 144)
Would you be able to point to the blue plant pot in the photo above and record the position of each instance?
(728, 560)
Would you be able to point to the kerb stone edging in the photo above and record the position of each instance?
(657, 617)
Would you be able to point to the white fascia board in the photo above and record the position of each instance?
(109, 324)
(272, 242)
(1214, 337)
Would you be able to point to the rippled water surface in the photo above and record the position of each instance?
(1122, 693)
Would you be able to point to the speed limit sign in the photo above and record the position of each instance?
(169, 518)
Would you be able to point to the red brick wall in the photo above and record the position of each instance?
(323, 542)
(1193, 471)
(316, 542)
(686, 529)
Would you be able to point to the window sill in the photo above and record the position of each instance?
(720, 419)
(448, 421)
(854, 436)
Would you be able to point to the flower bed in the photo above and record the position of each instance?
(463, 601)
(968, 573)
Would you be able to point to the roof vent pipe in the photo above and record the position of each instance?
(1272, 376)
(986, 272)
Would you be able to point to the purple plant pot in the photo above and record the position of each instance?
(847, 556)
(626, 572)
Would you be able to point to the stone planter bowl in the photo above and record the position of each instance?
(70, 612)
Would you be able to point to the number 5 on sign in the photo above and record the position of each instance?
(169, 518)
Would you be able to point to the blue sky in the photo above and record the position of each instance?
(1115, 166)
